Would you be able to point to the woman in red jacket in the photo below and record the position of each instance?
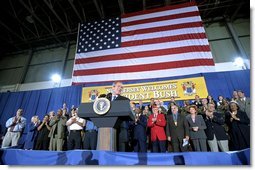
(157, 123)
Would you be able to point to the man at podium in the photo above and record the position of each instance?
(122, 130)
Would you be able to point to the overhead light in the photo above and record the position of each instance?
(29, 19)
(56, 78)
(239, 62)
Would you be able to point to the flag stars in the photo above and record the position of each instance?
(99, 35)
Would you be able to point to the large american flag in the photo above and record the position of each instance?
(157, 43)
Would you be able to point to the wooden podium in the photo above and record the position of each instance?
(108, 123)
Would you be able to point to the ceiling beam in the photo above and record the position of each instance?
(75, 10)
(144, 4)
(99, 8)
(37, 32)
(10, 42)
(167, 2)
(121, 6)
(236, 11)
(67, 22)
(40, 21)
(12, 32)
(20, 22)
(83, 11)
(56, 15)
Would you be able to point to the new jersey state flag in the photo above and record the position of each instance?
(157, 43)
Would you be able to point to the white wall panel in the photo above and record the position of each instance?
(69, 69)
(223, 50)
(217, 31)
(242, 27)
(13, 61)
(10, 76)
(49, 55)
(42, 72)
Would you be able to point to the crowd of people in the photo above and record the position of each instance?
(197, 125)
(56, 132)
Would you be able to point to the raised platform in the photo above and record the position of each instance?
(85, 157)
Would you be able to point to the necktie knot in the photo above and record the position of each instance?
(114, 98)
(175, 117)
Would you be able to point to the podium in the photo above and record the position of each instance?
(108, 123)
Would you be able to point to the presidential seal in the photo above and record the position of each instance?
(101, 106)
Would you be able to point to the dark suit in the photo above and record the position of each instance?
(31, 136)
(177, 132)
(215, 132)
(239, 131)
(215, 127)
(122, 131)
(140, 134)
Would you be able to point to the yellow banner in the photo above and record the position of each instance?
(181, 89)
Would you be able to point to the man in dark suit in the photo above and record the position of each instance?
(122, 131)
(177, 129)
(215, 132)
(140, 137)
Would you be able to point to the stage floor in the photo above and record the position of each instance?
(86, 157)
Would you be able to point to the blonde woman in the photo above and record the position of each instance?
(196, 129)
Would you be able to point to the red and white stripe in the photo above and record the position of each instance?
(164, 42)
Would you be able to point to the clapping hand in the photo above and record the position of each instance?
(73, 119)
(195, 129)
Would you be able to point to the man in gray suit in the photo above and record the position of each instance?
(244, 102)
(57, 132)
